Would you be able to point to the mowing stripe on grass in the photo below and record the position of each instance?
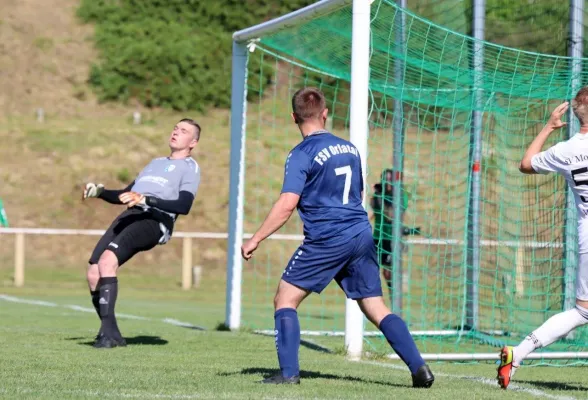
(117, 394)
(143, 395)
(74, 307)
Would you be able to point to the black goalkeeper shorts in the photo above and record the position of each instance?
(131, 232)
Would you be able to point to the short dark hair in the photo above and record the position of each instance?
(580, 105)
(308, 103)
(195, 125)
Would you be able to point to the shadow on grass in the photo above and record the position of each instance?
(131, 341)
(267, 372)
(556, 385)
(316, 347)
(222, 327)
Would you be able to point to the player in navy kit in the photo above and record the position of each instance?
(323, 180)
(165, 188)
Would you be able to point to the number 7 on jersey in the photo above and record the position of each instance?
(346, 170)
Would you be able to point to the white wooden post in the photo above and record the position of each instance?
(196, 276)
(19, 260)
(187, 263)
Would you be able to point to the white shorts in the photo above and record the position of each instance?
(582, 277)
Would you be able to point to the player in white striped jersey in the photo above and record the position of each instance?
(570, 159)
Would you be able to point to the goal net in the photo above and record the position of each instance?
(478, 253)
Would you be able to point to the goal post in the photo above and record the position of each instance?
(478, 254)
(354, 320)
(236, 184)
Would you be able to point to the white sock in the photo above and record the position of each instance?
(553, 329)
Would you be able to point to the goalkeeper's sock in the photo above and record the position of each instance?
(287, 341)
(108, 294)
(553, 329)
(96, 300)
(397, 334)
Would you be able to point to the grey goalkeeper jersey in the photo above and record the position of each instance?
(165, 178)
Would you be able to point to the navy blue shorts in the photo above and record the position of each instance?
(353, 265)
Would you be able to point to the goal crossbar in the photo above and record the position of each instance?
(294, 18)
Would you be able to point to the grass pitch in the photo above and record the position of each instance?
(176, 352)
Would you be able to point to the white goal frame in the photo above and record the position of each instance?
(354, 319)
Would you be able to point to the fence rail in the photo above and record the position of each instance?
(187, 268)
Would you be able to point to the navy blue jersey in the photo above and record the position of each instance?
(325, 171)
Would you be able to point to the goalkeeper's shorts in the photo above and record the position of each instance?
(131, 232)
(353, 265)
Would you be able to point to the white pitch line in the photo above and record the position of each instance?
(485, 381)
(182, 324)
(80, 308)
(75, 307)
(13, 299)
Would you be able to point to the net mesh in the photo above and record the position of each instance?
(523, 271)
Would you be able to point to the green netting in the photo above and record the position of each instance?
(522, 219)
(534, 25)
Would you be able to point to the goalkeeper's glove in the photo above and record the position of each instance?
(92, 190)
(132, 199)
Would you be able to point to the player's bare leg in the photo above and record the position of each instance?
(287, 328)
(289, 296)
(93, 276)
(553, 329)
(108, 289)
(399, 338)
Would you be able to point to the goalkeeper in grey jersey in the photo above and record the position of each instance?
(165, 188)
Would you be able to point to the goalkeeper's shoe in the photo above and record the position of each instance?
(506, 369)
(106, 342)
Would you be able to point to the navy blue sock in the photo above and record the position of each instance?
(397, 334)
(287, 341)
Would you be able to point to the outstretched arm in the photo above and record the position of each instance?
(277, 217)
(112, 196)
(98, 191)
(536, 145)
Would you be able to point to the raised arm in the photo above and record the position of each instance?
(536, 145)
